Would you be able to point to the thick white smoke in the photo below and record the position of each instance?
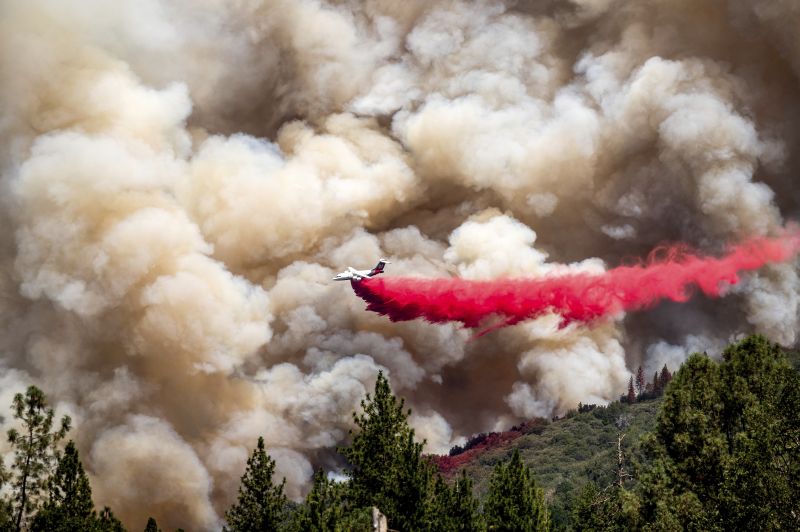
(180, 180)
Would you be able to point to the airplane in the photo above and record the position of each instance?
(351, 274)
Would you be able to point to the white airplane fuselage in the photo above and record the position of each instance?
(351, 274)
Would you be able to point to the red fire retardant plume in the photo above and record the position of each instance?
(669, 273)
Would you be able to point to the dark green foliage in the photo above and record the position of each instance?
(35, 451)
(761, 423)
(464, 507)
(6, 516)
(724, 455)
(725, 451)
(356, 520)
(664, 378)
(323, 506)
(261, 504)
(570, 451)
(514, 502)
(327, 509)
(386, 466)
(588, 511)
(388, 472)
(108, 522)
(614, 509)
(151, 526)
(69, 504)
(641, 382)
(455, 508)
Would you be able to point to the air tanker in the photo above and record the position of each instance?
(351, 274)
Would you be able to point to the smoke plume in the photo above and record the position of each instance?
(181, 178)
(582, 297)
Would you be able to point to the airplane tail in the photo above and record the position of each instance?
(381, 265)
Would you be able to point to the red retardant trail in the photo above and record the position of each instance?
(669, 273)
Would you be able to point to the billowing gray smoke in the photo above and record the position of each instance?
(181, 178)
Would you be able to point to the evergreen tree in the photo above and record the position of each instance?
(687, 450)
(725, 447)
(612, 510)
(386, 466)
(260, 505)
(586, 510)
(641, 382)
(69, 505)
(440, 502)
(657, 389)
(665, 377)
(108, 522)
(151, 526)
(322, 510)
(35, 451)
(6, 503)
(456, 507)
(760, 393)
(514, 503)
(326, 509)
(631, 393)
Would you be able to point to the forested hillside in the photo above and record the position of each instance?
(719, 451)
(568, 453)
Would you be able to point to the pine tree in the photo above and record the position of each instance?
(614, 509)
(687, 450)
(657, 388)
(35, 451)
(260, 505)
(724, 453)
(514, 503)
(587, 509)
(6, 503)
(108, 522)
(631, 393)
(760, 394)
(463, 508)
(665, 377)
(386, 465)
(326, 508)
(69, 505)
(440, 501)
(151, 526)
(641, 382)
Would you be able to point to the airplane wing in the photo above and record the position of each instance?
(353, 275)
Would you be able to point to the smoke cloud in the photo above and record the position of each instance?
(180, 180)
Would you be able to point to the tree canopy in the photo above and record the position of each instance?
(724, 454)
(514, 502)
(387, 469)
(261, 503)
(727, 442)
(69, 505)
(35, 451)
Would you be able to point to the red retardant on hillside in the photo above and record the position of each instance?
(479, 444)
(669, 273)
